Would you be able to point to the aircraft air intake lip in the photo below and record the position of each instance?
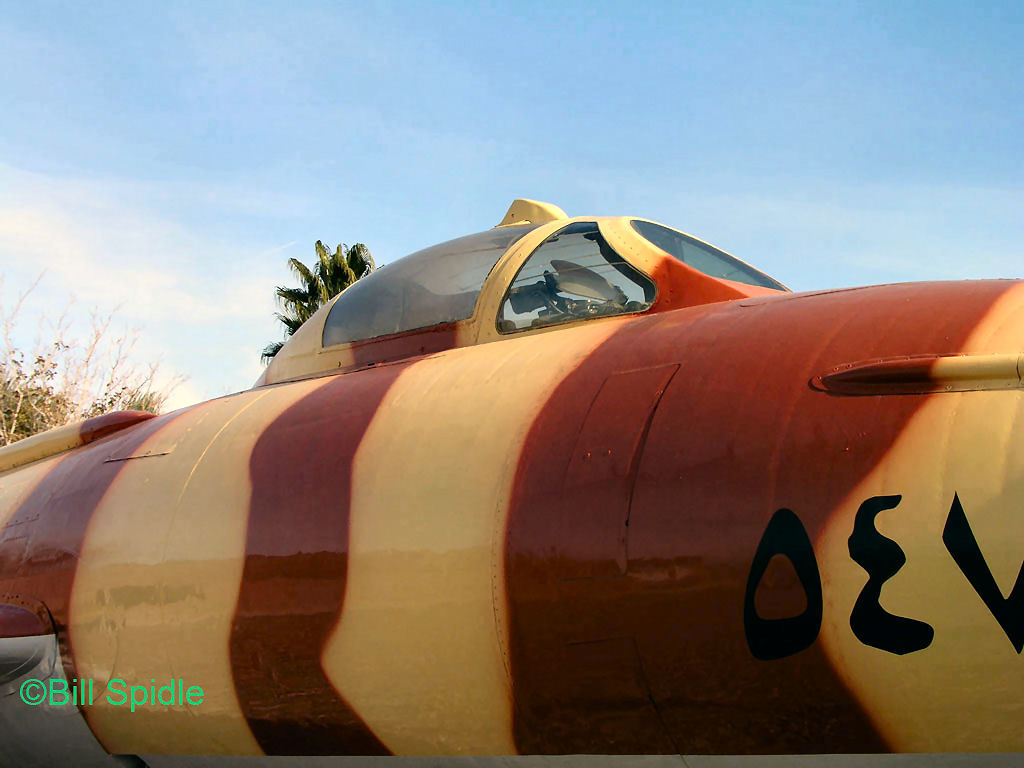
(16, 621)
(924, 374)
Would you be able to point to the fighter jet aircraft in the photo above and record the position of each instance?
(565, 486)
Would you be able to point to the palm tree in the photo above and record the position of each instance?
(331, 274)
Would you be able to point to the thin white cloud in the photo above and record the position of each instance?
(105, 250)
(103, 245)
(277, 249)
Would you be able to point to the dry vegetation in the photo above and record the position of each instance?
(63, 377)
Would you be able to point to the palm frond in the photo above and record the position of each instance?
(360, 261)
(270, 351)
(291, 323)
(292, 296)
(304, 274)
(330, 274)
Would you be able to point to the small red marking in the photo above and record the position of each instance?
(101, 426)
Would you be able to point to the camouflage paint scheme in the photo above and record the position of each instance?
(545, 543)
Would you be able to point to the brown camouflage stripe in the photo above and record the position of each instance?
(419, 648)
(293, 584)
(656, 660)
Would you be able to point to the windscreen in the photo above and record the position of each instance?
(703, 257)
(573, 275)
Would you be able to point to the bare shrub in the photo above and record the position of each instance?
(63, 378)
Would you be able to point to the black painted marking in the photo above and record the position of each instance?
(959, 540)
(777, 638)
(882, 558)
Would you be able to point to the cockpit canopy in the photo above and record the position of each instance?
(431, 287)
(535, 271)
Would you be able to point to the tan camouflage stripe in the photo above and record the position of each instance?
(41, 541)
(159, 575)
(418, 650)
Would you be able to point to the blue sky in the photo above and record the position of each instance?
(169, 158)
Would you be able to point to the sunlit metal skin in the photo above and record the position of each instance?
(722, 519)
